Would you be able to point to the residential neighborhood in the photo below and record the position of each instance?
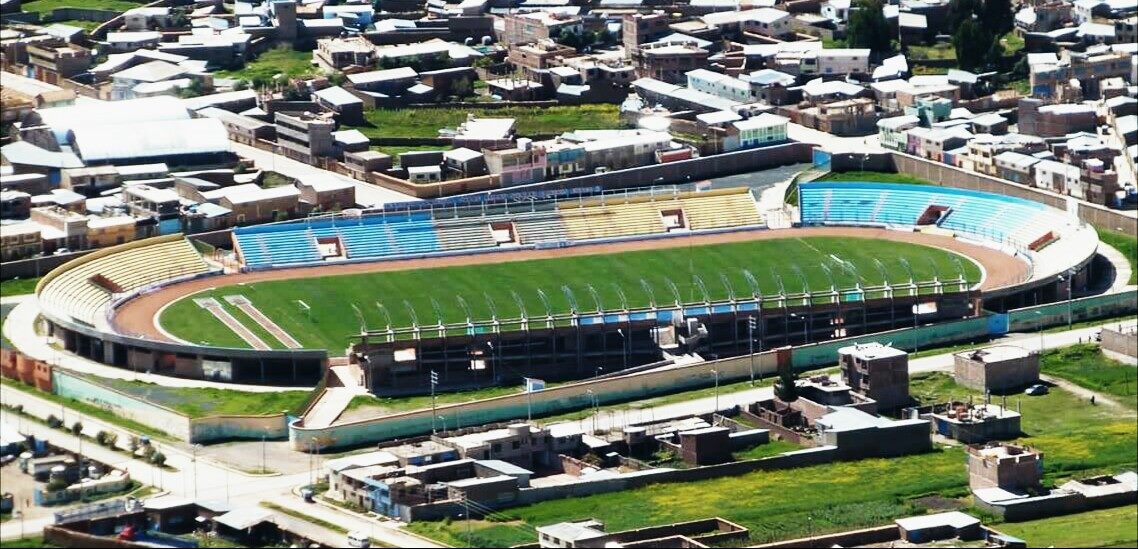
(568, 273)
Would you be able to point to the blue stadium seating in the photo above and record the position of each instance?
(990, 215)
(372, 237)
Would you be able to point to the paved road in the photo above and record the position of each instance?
(366, 194)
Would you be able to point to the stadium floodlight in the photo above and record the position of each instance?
(620, 294)
(778, 280)
(571, 299)
(675, 291)
(545, 301)
(644, 285)
(829, 275)
(727, 284)
(908, 268)
(490, 305)
(521, 304)
(386, 315)
(882, 271)
(754, 284)
(802, 277)
(438, 311)
(465, 308)
(360, 317)
(411, 311)
(596, 297)
(702, 288)
(932, 265)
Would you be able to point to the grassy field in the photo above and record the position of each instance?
(1074, 435)
(279, 60)
(1117, 527)
(395, 150)
(1127, 246)
(1086, 366)
(935, 52)
(329, 322)
(31, 542)
(530, 120)
(203, 402)
(46, 6)
(18, 286)
(1077, 438)
(89, 25)
(772, 448)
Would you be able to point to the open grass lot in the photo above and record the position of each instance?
(530, 120)
(18, 286)
(88, 25)
(279, 60)
(46, 6)
(395, 150)
(87, 409)
(1117, 527)
(1077, 438)
(331, 298)
(1127, 246)
(1086, 366)
(876, 177)
(36, 541)
(773, 505)
(203, 402)
(1073, 435)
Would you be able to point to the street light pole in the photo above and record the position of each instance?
(195, 448)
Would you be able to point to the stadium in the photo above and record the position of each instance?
(569, 285)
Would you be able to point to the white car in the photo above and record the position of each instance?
(358, 539)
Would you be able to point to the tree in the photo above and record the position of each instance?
(241, 85)
(868, 28)
(570, 38)
(462, 87)
(973, 44)
(158, 458)
(53, 421)
(960, 11)
(76, 428)
(605, 36)
(997, 17)
(133, 444)
(785, 388)
(101, 438)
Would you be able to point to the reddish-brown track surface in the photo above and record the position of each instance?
(137, 316)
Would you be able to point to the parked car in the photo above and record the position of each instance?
(1036, 390)
(358, 539)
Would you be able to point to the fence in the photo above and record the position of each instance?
(1075, 310)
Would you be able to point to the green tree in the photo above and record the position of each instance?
(997, 17)
(960, 11)
(868, 28)
(973, 44)
(241, 85)
(570, 38)
(785, 388)
(462, 87)
(76, 428)
(158, 458)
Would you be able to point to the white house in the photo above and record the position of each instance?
(764, 129)
(720, 85)
(1059, 177)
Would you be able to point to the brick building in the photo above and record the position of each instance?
(876, 371)
(997, 369)
(1004, 466)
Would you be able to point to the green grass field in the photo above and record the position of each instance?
(1127, 246)
(1117, 527)
(331, 318)
(18, 286)
(46, 6)
(1077, 438)
(204, 402)
(279, 60)
(530, 120)
(1086, 366)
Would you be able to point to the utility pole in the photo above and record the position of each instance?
(751, 345)
(716, 372)
(195, 449)
(529, 398)
(434, 381)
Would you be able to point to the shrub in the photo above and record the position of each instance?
(56, 485)
(158, 458)
(101, 438)
(76, 428)
(54, 422)
(134, 443)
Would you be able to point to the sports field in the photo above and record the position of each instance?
(333, 301)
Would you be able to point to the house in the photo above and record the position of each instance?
(466, 162)
(997, 369)
(528, 27)
(130, 41)
(1015, 167)
(720, 84)
(305, 136)
(126, 83)
(876, 371)
(342, 53)
(1004, 466)
(146, 18)
(932, 143)
(760, 131)
(389, 82)
(348, 109)
(669, 61)
(329, 193)
(1059, 177)
(835, 61)
(519, 165)
(892, 132)
(54, 60)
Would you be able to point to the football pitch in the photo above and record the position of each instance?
(322, 312)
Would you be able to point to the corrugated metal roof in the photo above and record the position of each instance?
(98, 142)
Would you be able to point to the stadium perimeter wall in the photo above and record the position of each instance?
(646, 384)
(950, 176)
(161, 418)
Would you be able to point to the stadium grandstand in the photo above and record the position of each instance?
(391, 234)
